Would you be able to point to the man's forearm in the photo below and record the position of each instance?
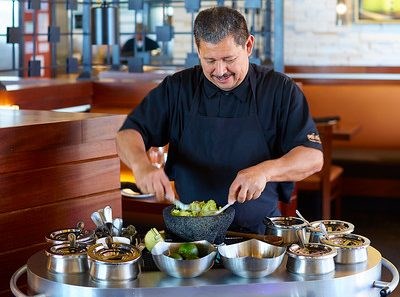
(131, 149)
(296, 165)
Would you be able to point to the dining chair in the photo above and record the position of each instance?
(327, 182)
(288, 209)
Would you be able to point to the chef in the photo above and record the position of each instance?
(236, 132)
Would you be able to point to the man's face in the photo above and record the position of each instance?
(225, 64)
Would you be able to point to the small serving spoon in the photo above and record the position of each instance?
(323, 229)
(223, 208)
(180, 204)
(300, 235)
(301, 217)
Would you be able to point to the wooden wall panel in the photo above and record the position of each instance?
(119, 96)
(28, 160)
(31, 225)
(49, 94)
(56, 169)
(32, 188)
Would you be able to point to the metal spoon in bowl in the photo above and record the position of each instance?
(223, 208)
(301, 217)
(180, 205)
(108, 219)
(95, 216)
(323, 229)
(300, 235)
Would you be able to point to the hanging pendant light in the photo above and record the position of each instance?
(105, 24)
(342, 13)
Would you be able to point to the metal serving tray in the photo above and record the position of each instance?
(357, 280)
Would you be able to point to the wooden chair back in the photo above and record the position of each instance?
(328, 180)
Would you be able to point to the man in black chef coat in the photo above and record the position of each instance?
(237, 132)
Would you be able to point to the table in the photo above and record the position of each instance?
(345, 131)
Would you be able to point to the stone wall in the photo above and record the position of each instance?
(311, 38)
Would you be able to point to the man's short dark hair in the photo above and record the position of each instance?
(214, 24)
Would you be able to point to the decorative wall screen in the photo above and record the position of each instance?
(45, 38)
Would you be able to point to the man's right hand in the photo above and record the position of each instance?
(149, 179)
(154, 180)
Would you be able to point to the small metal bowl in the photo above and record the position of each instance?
(332, 227)
(351, 248)
(116, 263)
(312, 259)
(286, 227)
(183, 268)
(61, 236)
(252, 258)
(62, 258)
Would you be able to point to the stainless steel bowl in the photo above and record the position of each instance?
(183, 268)
(61, 236)
(333, 227)
(285, 227)
(312, 259)
(351, 248)
(252, 258)
(115, 263)
(64, 258)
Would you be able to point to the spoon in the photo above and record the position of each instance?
(97, 219)
(101, 214)
(223, 208)
(72, 242)
(300, 235)
(301, 217)
(117, 226)
(323, 229)
(108, 219)
(109, 242)
(180, 204)
(80, 226)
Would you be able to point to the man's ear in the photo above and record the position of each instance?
(249, 45)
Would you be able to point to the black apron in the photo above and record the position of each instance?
(210, 153)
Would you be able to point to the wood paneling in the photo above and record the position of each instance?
(120, 96)
(31, 188)
(55, 156)
(55, 170)
(49, 94)
(31, 225)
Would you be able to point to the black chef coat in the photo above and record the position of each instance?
(280, 106)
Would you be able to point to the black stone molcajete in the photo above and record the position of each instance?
(210, 228)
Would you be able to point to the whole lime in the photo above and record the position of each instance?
(176, 256)
(188, 250)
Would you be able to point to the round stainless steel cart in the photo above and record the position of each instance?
(347, 280)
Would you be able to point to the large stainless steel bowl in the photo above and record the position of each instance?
(252, 258)
(183, 268)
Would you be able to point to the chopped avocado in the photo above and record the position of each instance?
(197, 208)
